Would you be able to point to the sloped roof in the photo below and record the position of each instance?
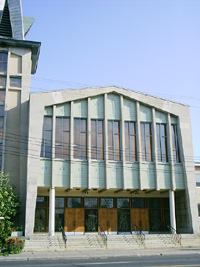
(12, 23)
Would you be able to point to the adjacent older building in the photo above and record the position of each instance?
(93, 158)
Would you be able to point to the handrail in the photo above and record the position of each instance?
(103, 235)
(176, 237)
(64, 236)
(139, 235)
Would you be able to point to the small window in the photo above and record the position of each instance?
(59, 202)
(2, 95)
(3, 62)
(198, 179)
(154, 203)
(41, 202)
(74, 202)
(107, 203)
(199, 209)
(15, 82)
(91, 203)
(2, 81)
(123, 203)
(139, 203)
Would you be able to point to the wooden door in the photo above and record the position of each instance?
(103, 219)
(79, 220)
(140, 218)
(69, 220)
(112, 220)
(108, 219)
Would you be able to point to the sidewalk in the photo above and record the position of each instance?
(86, 254)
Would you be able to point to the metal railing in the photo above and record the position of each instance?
(103, 235)
(64, 236)
(140, 235)
(176, 237)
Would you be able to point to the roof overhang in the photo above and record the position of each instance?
(33, 46)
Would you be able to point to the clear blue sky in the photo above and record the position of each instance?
(151, 46)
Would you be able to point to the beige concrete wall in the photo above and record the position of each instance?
(39, 101)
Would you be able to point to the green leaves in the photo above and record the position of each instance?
(9, 207)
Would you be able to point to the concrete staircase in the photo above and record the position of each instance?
(159, 241)
(123, 241)
(190, 241)
(44, 242)
(84, 242)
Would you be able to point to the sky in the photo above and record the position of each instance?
(150, 46)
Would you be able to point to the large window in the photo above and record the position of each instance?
(114, 140)
(80, 138)
(46, 149)
(162, 142)
(197, 179)
(146, 141)
(175, 144)
(62, 138)
(130, 141)
(97, 142)
(3, 62)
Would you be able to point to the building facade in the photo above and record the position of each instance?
(109, 157)
(93, 158)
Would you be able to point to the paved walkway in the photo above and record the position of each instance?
(27, 256)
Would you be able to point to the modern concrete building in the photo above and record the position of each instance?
(96, 157)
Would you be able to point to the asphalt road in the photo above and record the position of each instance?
(145, 261)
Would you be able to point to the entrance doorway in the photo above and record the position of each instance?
(91, 220)
(123, 219)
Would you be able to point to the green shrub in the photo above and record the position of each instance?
(13, 246)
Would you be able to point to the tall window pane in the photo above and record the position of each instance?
(146, 141)
(175, 144)
(62, 138)
(162, 142)
(80, 138)
(130, 142)
(3, 62)
(114, 140)
(97, 139)
(46, 149)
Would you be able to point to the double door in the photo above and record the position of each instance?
(74, 220)
(140, 218)
(108, 219)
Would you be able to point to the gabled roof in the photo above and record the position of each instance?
(12, 23)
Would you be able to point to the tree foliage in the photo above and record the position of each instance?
(9, 207)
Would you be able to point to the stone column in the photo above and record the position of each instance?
(52, 211)
(172, 209)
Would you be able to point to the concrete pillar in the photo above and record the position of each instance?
(52, 211)
(172, 209)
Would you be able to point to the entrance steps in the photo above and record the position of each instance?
(159, 241)
(84, 242)
(190, 240)
(123, 241)
(44, 242)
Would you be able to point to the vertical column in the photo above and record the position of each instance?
(172, 209)
(52, 211)
(139, 149)
(155, 150)
(89, 143)
(71, 142)
(106, 140)
(122, 141)
(52, 189)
